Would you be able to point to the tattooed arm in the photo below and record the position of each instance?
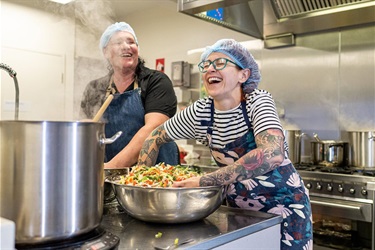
(268, 155)
(150, 149)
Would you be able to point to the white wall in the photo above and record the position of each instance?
(32, 30)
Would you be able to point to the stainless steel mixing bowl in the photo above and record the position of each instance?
(169, 205)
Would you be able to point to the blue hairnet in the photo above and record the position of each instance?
(112, 29)
(241, 56)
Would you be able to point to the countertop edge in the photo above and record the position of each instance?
(228, 237)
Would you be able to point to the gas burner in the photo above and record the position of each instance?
(305, 166)
(337, 170)
(98, 239)
(369, 173)
(365, 171)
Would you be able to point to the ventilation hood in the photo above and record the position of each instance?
(281, 20)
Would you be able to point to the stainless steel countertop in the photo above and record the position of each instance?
(224, 225)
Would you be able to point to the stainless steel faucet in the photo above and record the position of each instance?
(13, 74)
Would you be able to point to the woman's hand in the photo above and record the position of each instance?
(191, 182)
(112, 165)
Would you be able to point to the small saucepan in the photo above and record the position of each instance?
(329, 152)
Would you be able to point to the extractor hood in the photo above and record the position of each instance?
(281, 19)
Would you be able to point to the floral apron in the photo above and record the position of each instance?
(126, 113)
(280, 191)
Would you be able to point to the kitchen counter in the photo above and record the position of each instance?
(226, 228)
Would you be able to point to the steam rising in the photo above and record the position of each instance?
(91, 18)
(94, 15)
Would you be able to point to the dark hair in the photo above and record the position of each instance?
(140, 65)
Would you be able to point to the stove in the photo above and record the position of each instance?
(342, 200)
(332, 168)
(98, 239)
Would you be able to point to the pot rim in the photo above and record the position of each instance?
(362, 131)
(46, 121)
(329, 142)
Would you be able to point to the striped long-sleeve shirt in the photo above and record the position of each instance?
(229, 124)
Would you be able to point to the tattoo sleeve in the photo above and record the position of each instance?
(268, 155)
(150, 149)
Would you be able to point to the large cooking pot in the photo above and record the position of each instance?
(293, 139)
(362, 148)
(52, 178)
(330, 153)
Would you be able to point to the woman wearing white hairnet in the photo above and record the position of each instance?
(143, 99)
(240, 125)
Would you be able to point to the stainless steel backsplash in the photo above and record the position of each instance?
(325, 84)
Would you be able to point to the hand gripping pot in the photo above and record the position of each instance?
(52, 178)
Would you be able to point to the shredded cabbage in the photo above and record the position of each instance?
(161, 175)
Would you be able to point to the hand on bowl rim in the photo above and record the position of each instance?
(191, 182)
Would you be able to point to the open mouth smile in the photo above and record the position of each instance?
(213, 80)
(126, 55)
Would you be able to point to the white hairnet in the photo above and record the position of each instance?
(112, 29)
(241, 56)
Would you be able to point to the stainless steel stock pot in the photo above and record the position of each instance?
(294, 141)
(330, 153)
(362, 148)
(52, 177)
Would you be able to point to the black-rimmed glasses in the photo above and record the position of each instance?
(218, 63)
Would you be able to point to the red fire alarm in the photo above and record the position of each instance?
(160, 64)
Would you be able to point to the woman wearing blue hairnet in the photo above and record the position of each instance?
(143, 99)
(240, 125)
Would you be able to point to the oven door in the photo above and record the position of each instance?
(342, 224)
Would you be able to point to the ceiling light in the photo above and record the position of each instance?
(62, 1)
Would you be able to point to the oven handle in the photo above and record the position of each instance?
(344, 209)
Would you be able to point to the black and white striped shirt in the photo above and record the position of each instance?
(228, 125)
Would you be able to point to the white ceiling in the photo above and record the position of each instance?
(122, 8)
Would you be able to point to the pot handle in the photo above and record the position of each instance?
(112, 139)
(298, 136)
(372, 137)
(317, 137)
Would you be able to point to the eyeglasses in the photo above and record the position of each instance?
(218, 63)
(119, 43)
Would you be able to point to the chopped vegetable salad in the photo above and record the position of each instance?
(161, 175)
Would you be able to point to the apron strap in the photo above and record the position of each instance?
(111, 90)
(244, 112)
